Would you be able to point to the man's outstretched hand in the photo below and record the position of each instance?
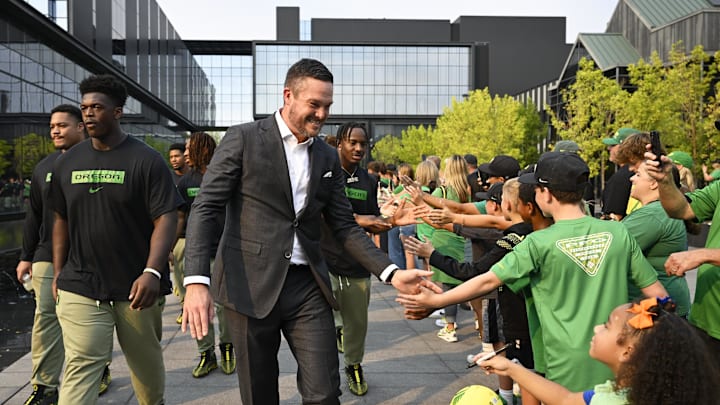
(409, 281)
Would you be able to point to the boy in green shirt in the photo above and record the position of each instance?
(577, 270)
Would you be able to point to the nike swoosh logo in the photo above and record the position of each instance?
(94, 190)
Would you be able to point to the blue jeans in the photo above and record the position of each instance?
(395, 247)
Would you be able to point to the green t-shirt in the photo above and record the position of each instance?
(480, 206)
(605, 394)
(715, 174)
(446, 242)
(658, 236)
(578, 272)
(705, 310)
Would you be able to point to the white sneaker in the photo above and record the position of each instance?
(447, 335)
(437, 314)
(440, 323)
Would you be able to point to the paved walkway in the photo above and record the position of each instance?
(405, 363)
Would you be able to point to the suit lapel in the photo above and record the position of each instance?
(271, 135)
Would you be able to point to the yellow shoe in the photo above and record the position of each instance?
(208, 363)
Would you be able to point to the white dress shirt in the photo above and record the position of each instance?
(298, 162)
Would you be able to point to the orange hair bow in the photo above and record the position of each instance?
(643, 317)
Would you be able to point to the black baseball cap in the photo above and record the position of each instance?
(494, 193)
(560, 171)
(501, 166)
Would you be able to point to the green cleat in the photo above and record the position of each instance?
(42, 395)
(227, 358)
(208, 363)
(356, 381)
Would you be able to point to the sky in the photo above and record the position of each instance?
(255, 20)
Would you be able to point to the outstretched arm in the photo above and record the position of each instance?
(548, 392)
(473, 288)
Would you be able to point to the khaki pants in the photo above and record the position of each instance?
(47, 343)
(178, 268)
(87, 327)
(353, 298)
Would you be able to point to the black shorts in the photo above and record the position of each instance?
(521, 350)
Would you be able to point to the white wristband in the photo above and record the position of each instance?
(153, 271)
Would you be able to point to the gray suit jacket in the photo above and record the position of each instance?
(248, 177)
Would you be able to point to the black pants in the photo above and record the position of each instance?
(305, 319)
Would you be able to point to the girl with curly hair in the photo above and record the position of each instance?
(656, 356)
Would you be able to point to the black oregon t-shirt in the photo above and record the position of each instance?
(37, 230)
(110, 199)
(361, 191)
(189, 188)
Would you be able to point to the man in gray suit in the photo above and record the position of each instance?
(278, 184)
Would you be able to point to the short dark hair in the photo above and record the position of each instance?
(526, 194)
(343, 133)
(307, 68)
(568, 197)
(177, 146)
(109, 85)
(69, 109)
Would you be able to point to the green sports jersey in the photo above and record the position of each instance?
(715, 174)
(578, 273)
(446, 242)
(658, 236)
(705, 310)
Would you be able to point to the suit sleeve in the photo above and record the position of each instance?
(219, 182)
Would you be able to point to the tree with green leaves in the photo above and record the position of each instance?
(654, 105)
(5, 155)
(28, 151)
(593, 107)
(480, 124)
(691, 77)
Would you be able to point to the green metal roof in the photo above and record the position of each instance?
(609, 50)
(656, 13)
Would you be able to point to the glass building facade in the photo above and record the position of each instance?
(371, 80)
(42, 63)
(230, 88)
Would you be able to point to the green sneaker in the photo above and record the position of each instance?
(356, 381)
(42, 395)
(179, 318)
(227, 358)
(105, 381)
(340, 339)
(208, 363)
